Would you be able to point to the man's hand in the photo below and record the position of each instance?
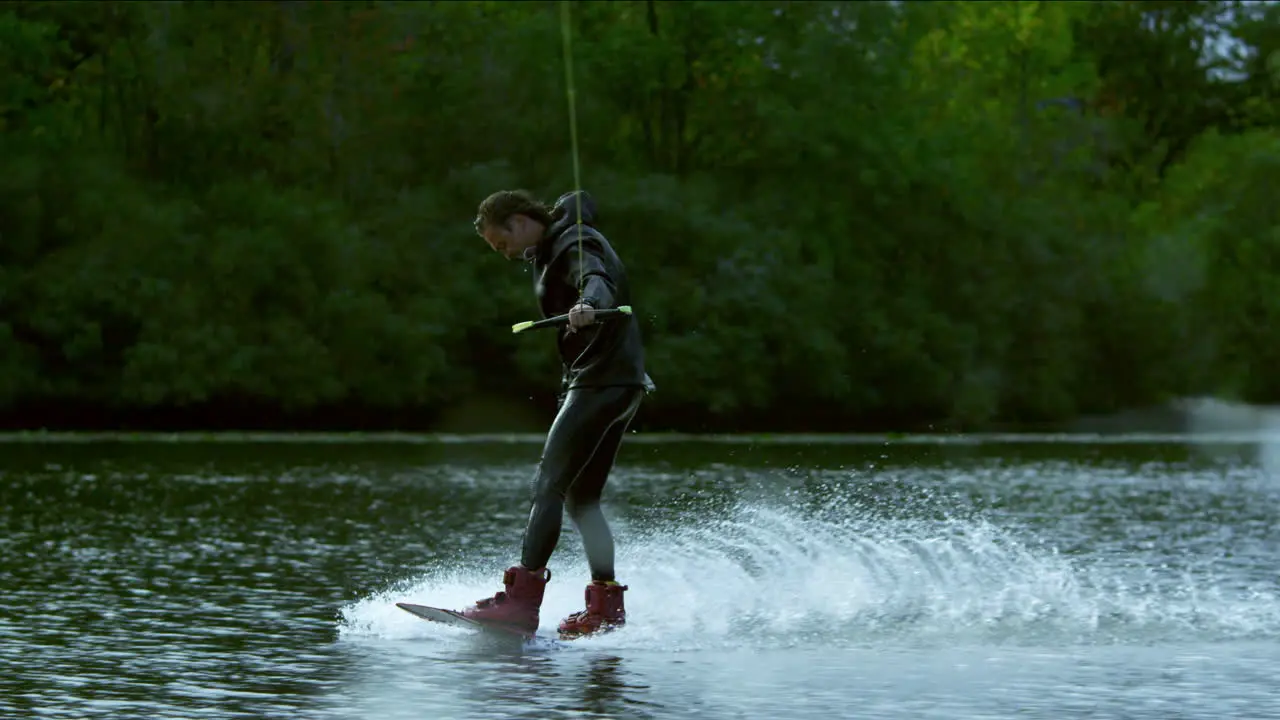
(580, 316)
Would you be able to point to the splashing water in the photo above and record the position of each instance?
(763, 576)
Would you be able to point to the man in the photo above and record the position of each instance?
(575, 271)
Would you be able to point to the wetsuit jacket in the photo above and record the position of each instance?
(610, 352)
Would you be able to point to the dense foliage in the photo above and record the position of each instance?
(837, 215)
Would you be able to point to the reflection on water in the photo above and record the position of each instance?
(231, 581)
(608, 686)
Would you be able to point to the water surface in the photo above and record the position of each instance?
(896, 578)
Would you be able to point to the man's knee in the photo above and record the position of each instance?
(578, 507)
(547, 494)
(548, 480)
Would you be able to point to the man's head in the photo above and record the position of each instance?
(512, 221)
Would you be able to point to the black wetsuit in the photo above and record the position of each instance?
(603, 383)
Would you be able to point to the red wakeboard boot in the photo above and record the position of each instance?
(514, 609)
(605, 612)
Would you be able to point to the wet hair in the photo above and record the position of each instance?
(500, 207)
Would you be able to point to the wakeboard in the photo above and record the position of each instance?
(456, 619)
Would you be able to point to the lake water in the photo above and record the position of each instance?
(1127, 578)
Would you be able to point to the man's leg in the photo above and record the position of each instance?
(583, 421)
(582, 424)
(605, 609)
(583, 500)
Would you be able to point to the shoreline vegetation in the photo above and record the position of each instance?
(1192, 421)
(286, 438)
(837, 216)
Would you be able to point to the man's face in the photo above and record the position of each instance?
(510, 240)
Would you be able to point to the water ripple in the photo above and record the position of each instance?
(218, 582)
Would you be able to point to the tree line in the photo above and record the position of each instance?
(836, 215)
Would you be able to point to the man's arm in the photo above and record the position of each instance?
(586, 270)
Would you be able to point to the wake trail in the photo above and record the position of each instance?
(761, 575)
